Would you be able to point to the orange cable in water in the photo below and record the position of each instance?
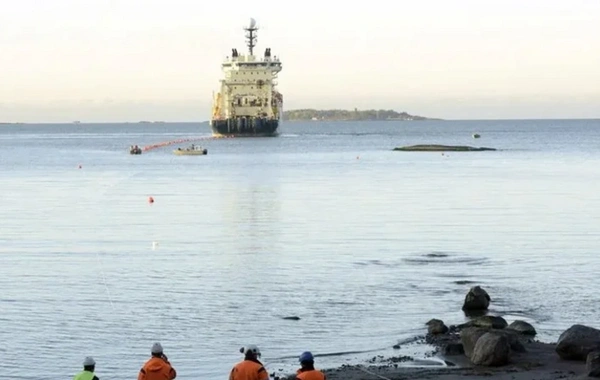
(179, 141)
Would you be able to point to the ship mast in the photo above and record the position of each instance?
(251, 35)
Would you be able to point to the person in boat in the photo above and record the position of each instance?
(307, 369)
(158, 367)
(89, 365)
(250, 368)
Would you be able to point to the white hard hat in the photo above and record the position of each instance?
(88, 361)
(250, 348)
(157, 348)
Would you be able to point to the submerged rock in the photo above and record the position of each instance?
(522, 327)
(476, 299)
(577, 342)
(442, 148)
(292, 318)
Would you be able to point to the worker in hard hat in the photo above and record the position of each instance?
(158, 367)
(307, 369)
(89, 365)
(250, 368)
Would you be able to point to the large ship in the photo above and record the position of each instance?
(248, 103)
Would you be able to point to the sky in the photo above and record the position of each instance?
(131, 60)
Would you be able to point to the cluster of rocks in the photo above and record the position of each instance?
(489, 341)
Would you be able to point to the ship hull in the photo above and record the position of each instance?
(245, 127)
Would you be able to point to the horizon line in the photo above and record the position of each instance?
(289, 121)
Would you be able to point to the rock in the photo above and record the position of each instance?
(491, 350)
(577, 342)
(513, 339)
(522, 327)
(469, 337)
(441, 148)
(592, 364)
(454, 349)
(292, 318)
(476, 299)
(436, 326)
(489, 321)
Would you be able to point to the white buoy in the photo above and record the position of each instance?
(154, 245)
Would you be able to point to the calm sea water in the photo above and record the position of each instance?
(324, 222)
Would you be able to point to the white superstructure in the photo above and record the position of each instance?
(248, 97)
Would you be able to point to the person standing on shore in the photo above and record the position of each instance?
(307, 370)
(158, 367)
(89, 365)
(250, 368)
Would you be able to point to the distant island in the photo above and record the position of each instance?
(348, 115)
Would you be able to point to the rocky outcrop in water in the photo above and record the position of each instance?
(476, 299)
(507, 351)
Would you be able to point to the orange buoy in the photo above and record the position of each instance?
(150, 200)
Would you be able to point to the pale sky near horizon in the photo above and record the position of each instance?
(130, 60)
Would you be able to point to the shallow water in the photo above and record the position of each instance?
(324, 222)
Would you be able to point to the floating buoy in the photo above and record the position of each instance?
(357, 157)
(150, 200)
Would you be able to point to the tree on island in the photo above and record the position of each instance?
(345, 115)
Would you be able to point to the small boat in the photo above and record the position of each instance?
(476, 135)
(191, 151)
(134, 149)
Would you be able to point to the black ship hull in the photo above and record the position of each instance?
(245, 127)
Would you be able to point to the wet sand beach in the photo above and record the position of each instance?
(540, 362)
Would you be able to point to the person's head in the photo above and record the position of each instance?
(89, 364)
(157, 350)
(307, 360)
(251, 352)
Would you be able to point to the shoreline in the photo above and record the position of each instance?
(539, 362)
(484, 347)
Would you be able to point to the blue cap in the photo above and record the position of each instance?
(306, 357)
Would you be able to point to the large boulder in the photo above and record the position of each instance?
(522, 327)
(577, 342)
(476, 299)
(592, 364)
(436, 326)
(491, 350)
(469, 338)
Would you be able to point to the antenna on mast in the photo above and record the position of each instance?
(251, 35)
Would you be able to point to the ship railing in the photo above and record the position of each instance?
(246, 58)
